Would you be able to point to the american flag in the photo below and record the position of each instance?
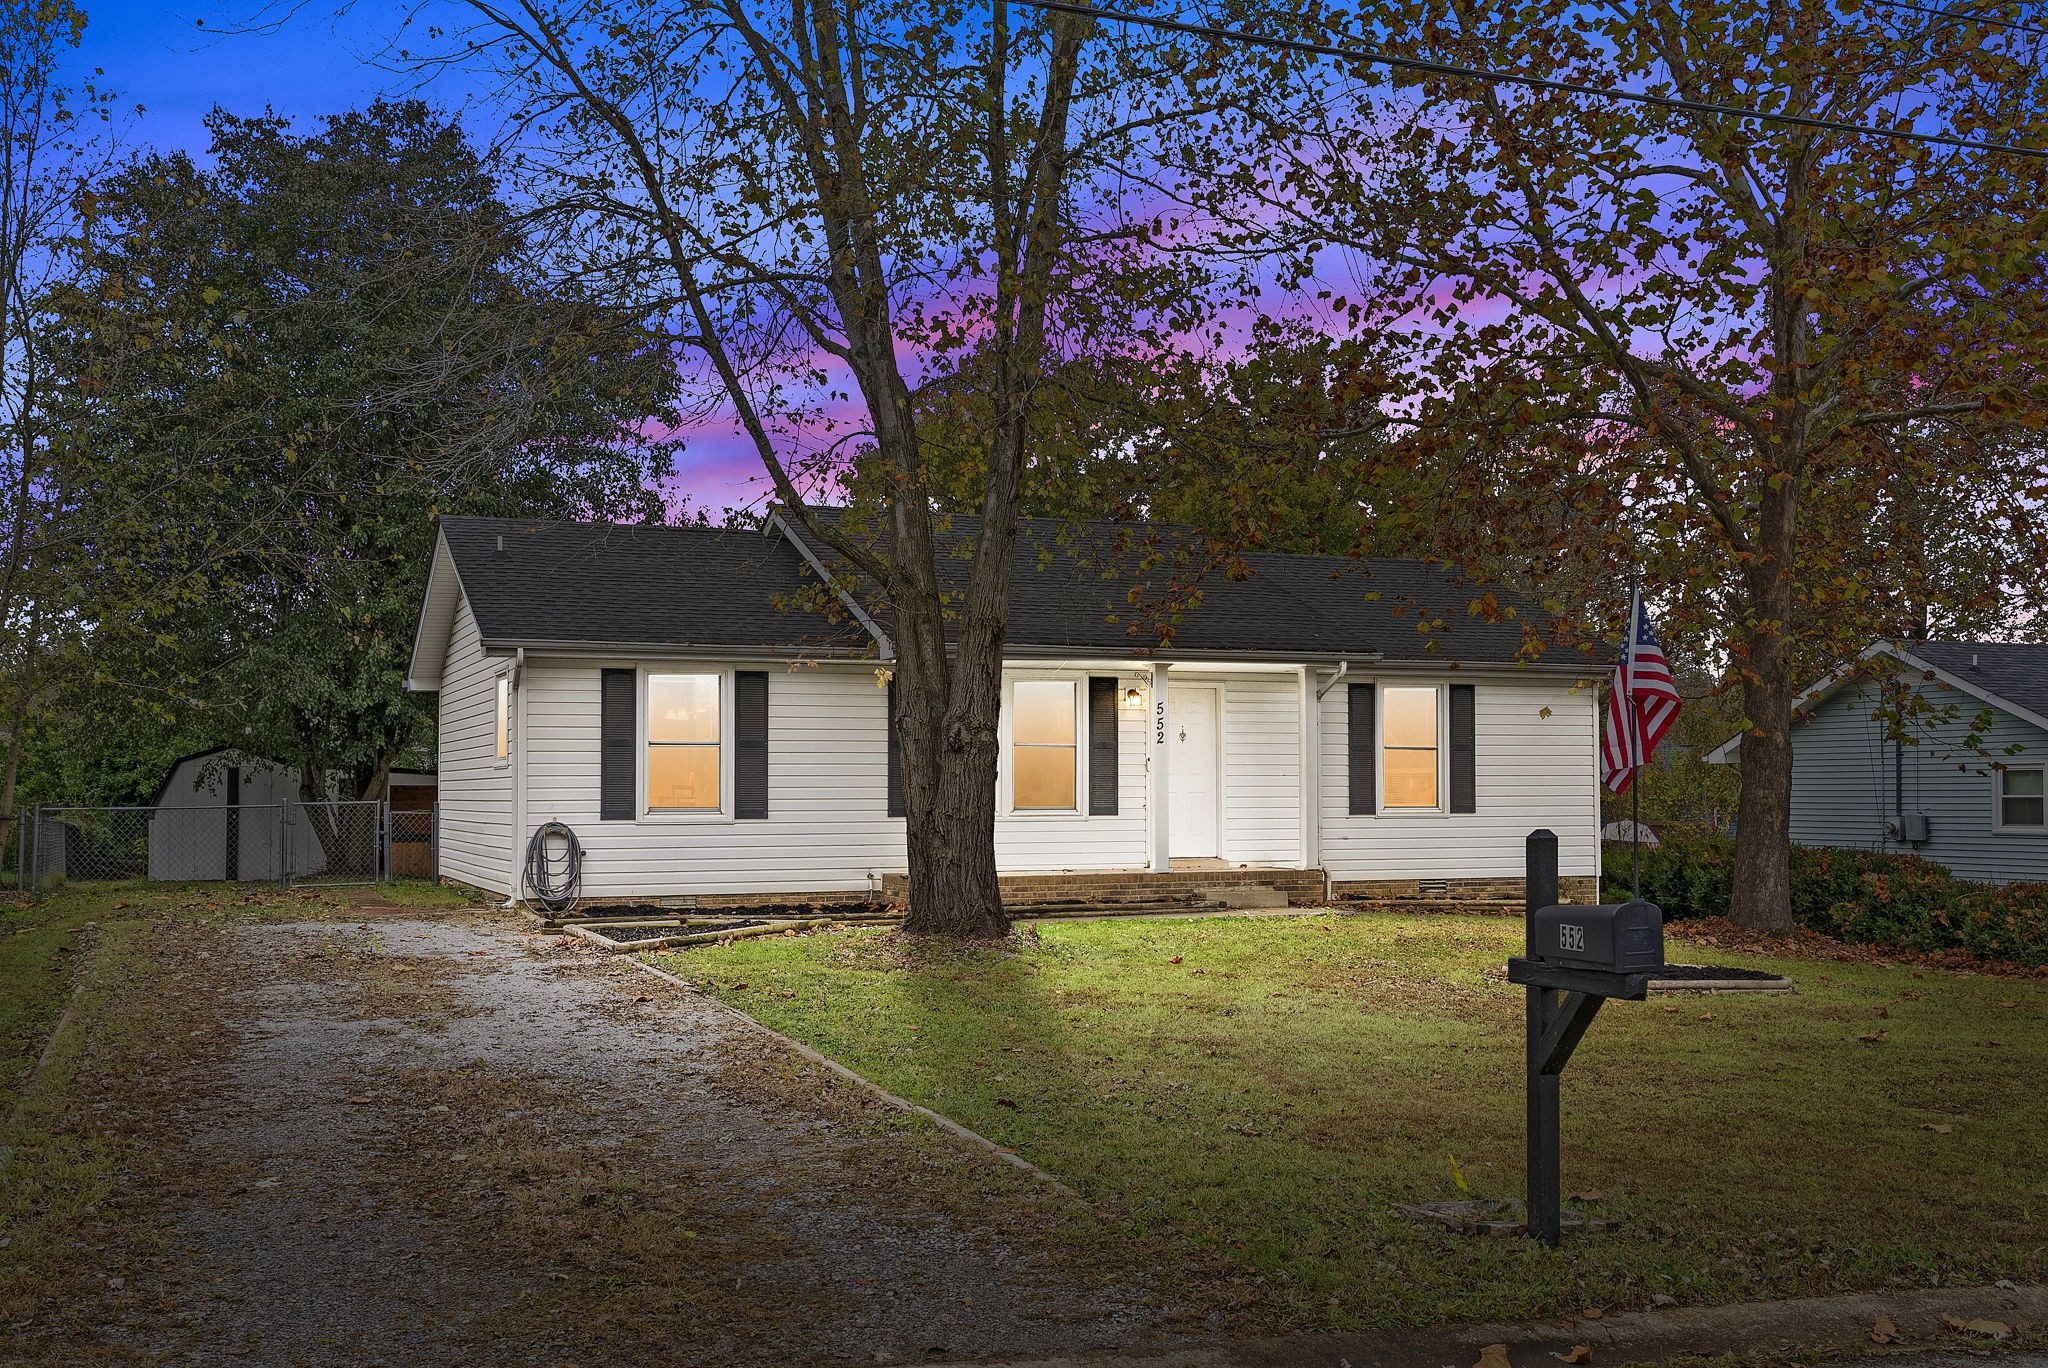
(1643, 704)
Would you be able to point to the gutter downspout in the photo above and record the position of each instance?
(518, 723)
(1343, 668)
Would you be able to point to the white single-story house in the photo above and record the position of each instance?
(678, 697)
(1934, 748)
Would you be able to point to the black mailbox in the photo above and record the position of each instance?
(1622, 938)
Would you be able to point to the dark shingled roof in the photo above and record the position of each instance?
(2015, 671)
(620, 585)
(617, 584)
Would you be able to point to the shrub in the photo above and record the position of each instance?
(1862, 896)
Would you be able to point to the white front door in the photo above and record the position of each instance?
(1192, 727)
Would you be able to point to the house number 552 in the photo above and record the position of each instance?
(1159, 723)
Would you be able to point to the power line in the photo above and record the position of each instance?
(1371, 56)
(1962, 18)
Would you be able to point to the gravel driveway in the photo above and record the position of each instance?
(441, 1140)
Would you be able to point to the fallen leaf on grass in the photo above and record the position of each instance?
(1706, 1016)
(1006, 1102)
(1937, 1129)
(361, 1101)
(1593, 1313)
(1872, 1037)
(1884, 1332)
(1579, 1353)
(1589, 1195)
(1913, 994)
(644, 997)
(1990, 1329)
(1493, 1356)
(1175, 960)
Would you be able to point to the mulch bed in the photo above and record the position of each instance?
(1800, 943)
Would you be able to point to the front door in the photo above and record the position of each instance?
(1192, 789)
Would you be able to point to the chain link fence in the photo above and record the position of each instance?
(315, 844)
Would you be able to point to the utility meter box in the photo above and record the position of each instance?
(1623, 938)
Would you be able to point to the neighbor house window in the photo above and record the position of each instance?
(2022, 799)
(1043, 752)
(683, 733)
(1408, 746)
(504, 716)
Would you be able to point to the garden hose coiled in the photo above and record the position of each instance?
(555, 882)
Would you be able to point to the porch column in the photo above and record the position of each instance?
(1155, 786)
(1311, 770)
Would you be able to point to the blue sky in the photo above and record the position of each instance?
(155, 54)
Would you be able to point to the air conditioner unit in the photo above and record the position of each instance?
(1908, 827)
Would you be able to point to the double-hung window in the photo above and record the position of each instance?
(2020, 798)
(684, 736)
(1044, 748)
(1409, 745)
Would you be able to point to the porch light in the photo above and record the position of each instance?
(1134, 698)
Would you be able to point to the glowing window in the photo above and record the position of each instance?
(683, 732)
(1408, 746)
(1043, 750)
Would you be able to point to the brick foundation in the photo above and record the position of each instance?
(1573, 888)
(1300, 885)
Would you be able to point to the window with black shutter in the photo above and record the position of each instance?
(1102, 768)
(1464, 749)
(750, 745)
(1359, 742)
(617, 745)
(895, 759)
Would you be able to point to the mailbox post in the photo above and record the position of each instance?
(1577, 957)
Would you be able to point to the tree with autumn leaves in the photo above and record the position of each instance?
(1791, 375)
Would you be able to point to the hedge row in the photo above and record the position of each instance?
(1852, 895)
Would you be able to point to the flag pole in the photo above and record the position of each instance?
(1635, 774)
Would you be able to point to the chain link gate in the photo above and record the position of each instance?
(325, 845)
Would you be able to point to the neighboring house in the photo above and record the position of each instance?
(224, 815)
(1962, 783)
(678, 698)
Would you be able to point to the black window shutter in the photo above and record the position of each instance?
(617, 745)
(1102, 775)
(750, 743)
(895, 759)
(1464, 750)
(1360, 741)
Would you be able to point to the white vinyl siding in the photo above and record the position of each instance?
(1261, 768)
(475, 833)
(827, 828)
(1536, 743)
(1049, 842)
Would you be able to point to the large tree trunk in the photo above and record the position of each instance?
(947, 703)
(1762, 897)
(949, 801)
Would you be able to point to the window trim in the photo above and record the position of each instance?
(1442, 807)
(649, 815)
(1007, 754)
(1999, 825)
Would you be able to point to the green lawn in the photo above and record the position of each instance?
(1254, 1094)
